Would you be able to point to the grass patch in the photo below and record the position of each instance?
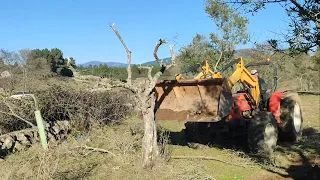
(67, 161)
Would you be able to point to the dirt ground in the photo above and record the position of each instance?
(73, 160)
(291, 161)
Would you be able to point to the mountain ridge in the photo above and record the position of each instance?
(240, 52)
(117, 64)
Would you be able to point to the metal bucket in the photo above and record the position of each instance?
(205, 100)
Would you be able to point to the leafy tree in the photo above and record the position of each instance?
(199, 50)
(10, 63)
(304, 23)
(54, 57)
(232, 27)
(232, 32)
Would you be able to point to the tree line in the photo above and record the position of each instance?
(28, 64)
(105, 71)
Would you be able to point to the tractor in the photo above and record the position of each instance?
(207, 104)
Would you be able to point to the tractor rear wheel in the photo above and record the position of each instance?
(262, 134)
(291, 118)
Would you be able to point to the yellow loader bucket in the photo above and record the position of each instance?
(205, 100)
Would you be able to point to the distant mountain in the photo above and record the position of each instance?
(152, 63)
(117, 64)
(239, 53)
(109, 64)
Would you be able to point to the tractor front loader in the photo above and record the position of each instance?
(207, 105)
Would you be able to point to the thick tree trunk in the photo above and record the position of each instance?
(150, 149)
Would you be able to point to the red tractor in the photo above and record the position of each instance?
(208, 106)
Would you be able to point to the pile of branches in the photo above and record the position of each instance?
(81, 109)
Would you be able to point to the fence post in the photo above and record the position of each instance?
(41, 128)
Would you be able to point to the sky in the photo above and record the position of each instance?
(81, 29)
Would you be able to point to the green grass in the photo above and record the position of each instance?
(66, 161)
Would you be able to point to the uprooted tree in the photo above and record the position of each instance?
(145, 97)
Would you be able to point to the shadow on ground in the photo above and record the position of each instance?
(303, 158)
(299, 160)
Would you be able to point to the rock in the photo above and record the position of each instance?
(17, 147)
(7, 143)
(23, 139)
(5, 74)
(51, 138)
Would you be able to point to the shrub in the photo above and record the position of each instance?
(81, 108)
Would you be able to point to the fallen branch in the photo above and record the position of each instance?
(12, 113)
(207, 158)
(96, 149)
(24, 131)
(123, 85)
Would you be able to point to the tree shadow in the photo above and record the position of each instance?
(218, 139)
(302, 158)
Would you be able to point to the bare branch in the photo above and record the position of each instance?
(127, 50)
(24, 131)
(96, 149)
(247, 2)
(161, 41)
(149, 68)
(163, 69)
(12, 113)
(173, 55)
(215, 67)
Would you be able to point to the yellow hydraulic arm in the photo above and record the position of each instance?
(206, 72)
(240, 74)
(243, 75)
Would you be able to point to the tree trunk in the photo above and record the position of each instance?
(150, 149)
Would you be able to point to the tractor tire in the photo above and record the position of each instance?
(198, 132)
(291, 118)
(262, 134)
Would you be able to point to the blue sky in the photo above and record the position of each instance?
(81, 28)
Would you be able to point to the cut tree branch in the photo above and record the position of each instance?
(15, 133)
(127, 50)
(160, 42)
(123, 85)
(164, 67)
